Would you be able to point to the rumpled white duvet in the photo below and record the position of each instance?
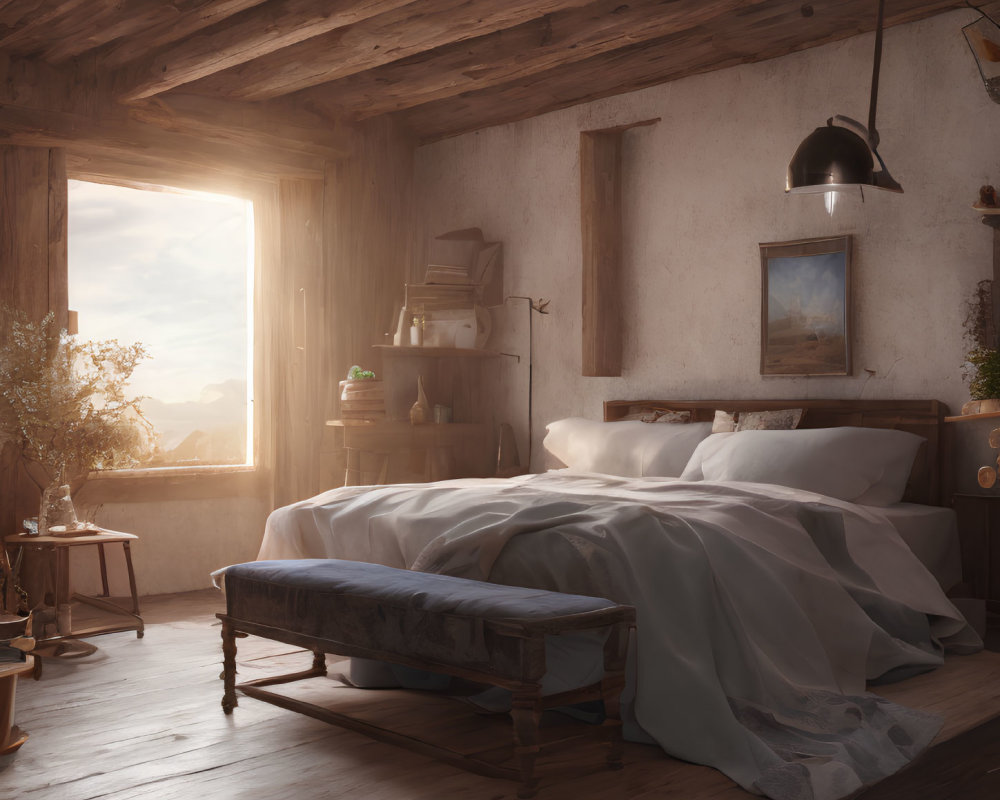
(762, 611)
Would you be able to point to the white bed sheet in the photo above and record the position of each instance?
(931, 532)
(762, 610)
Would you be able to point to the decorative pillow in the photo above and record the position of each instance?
(783, 420)
(724, 422)
(673, 417)
(628, 449)
(868, 466)
(647, 414)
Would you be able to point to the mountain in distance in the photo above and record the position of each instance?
(211, 430)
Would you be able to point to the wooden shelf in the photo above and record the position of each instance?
(436, 352)
(971, 417)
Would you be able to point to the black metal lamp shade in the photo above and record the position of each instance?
(835, 158)
(829, 159)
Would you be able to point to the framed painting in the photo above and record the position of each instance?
(805, 307)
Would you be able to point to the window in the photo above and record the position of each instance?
(172, 270)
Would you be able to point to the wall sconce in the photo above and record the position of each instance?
(983, 37)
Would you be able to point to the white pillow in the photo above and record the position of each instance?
(628, 449)
(868, 466)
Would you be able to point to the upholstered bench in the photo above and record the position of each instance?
(483, 632)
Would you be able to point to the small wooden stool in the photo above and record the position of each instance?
(56, 550)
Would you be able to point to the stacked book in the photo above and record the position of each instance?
(362, 401)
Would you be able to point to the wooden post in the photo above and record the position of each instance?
(601, 234)
(33, 275)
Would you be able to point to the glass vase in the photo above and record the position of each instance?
(56, 508)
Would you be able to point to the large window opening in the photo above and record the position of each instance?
(173, 270)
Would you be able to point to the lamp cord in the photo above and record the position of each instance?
(873, 102)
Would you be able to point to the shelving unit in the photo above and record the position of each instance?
(394, 450)
(972, 417)
(435, 352)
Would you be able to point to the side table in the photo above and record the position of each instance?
(56, 550)
(979, 535)
(11, 737)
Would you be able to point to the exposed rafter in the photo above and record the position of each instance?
(377, 41)
(519, 52)
(279, 78)
(251, 36)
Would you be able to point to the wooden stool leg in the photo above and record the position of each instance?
(352, 470)
(229, 701)
(525, 714)
(106, 592)
(131, 585)
(64, 614)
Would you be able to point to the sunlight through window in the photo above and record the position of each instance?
(173, 270)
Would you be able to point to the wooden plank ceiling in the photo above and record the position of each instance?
(285, 75)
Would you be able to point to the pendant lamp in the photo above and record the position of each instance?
(838, 157)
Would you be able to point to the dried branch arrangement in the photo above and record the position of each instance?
(63, 401)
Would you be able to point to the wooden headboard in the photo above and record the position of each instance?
(922, 417)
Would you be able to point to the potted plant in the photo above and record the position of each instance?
(362, 398)
(64, 411)
(982, 361)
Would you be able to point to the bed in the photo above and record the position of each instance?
(775, 573)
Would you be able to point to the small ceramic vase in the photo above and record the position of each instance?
(420, 411)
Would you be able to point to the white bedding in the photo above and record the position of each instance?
(762, 611)
(931, 532)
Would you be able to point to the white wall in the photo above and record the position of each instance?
(706, 184)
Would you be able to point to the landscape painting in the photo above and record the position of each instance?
(805, 307)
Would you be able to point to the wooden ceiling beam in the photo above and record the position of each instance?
(25, 21)
(263, 126)
(734, 39)
(374, 42)
(515, 54)
(262, 30)
(129, 140)
(72, 108)
(131, 30)
(140, 171)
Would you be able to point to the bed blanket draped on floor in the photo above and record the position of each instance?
(762, 611)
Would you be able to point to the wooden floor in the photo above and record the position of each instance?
(141, 719)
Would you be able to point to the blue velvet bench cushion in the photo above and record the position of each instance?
(419, 615)
(484, 632)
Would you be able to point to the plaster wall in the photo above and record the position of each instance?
(180, 543)
(705, 185)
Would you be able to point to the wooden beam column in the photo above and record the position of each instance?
(33, 200)
(33, 276)
(601, 233)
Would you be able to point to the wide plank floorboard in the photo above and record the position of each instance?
(141, 720)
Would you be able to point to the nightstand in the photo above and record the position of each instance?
(979, 534)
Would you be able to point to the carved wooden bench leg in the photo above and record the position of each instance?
(319, 662)
(229, 701)
(612, 686)
(611, 690)
(525, 714)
